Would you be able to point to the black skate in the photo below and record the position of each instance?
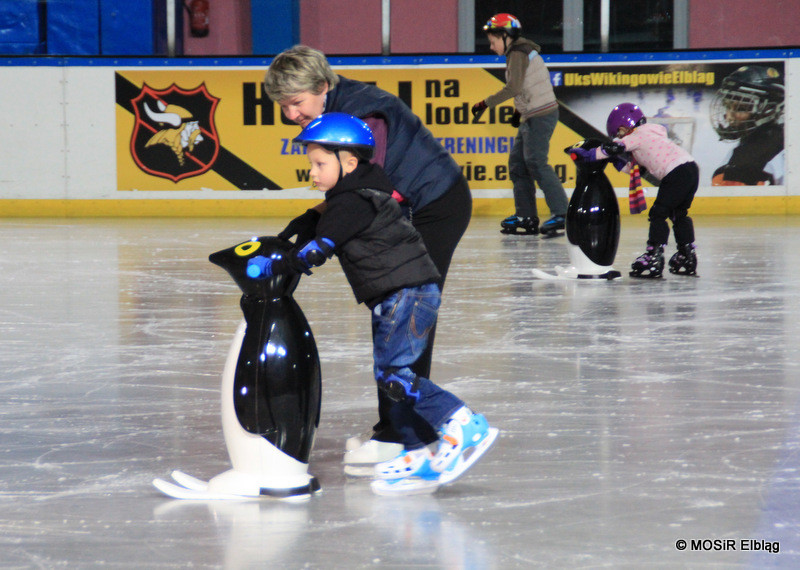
(684, 262)
(528, 226)
(551, 227)
(650, 264)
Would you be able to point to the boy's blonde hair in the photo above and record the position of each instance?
(297, 69)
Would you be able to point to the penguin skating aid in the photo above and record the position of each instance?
(271, 390)
(592, 223)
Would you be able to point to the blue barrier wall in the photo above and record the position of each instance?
(126, 27)
(275, 25)
(20, 28)
(78, 27)
(73, 28)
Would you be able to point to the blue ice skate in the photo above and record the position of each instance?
(409, 473)
(465, 437)
(553, 227)
(515, 224)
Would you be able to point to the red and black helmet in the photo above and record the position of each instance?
(503, 23)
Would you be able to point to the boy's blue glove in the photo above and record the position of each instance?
(312, 254)
(315, 253)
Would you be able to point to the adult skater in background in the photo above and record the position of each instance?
(536, 115)
(389, 270)
(648, 145)
(748, 107)
(427, 182)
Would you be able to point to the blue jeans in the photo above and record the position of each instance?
(400, 327)
(528, 165)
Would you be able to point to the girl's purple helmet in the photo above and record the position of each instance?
(624, 115)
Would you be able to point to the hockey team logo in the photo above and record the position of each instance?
(174, 135)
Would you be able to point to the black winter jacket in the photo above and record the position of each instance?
(418, 166)
(379, 249)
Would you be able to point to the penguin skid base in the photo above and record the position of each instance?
(271, 391)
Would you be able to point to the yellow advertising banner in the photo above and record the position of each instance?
(215, 129)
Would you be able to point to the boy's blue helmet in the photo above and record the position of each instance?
(336, 131)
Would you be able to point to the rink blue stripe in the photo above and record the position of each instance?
(455, 59)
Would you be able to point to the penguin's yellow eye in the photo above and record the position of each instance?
(247, 248)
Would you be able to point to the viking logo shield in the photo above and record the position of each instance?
(174, 135)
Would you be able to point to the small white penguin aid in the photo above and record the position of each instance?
(271, 390)
(592, 223)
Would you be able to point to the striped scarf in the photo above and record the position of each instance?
(636, 199)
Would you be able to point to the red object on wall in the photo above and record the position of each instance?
(435, 32)
(742, 24)
(355, 26)
(198, 17)
(233, 34)
(341, 26)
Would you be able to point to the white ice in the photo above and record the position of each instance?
(634, 414)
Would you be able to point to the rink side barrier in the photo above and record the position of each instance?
(109, 208)
(196, 137)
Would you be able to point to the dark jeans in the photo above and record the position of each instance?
(441, 224)
(400, 327)
(528, 165)
(674, 198)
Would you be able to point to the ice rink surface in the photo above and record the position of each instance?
(634, 414)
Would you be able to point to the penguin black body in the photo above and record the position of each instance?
(277, 383)
(593, 219)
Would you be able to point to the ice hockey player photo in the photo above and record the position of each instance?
(748, 108)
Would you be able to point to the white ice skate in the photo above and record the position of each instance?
(407, 474)
(404, 465)
(362, 455)
(465, 437)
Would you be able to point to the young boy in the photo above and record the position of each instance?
(648, 144)
(528, 82)
(431, 189)
(389, 270)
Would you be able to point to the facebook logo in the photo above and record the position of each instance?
(556, 78)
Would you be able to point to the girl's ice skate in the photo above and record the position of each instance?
(650, 264)
(684, 262)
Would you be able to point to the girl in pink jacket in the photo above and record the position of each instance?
(638, 142)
